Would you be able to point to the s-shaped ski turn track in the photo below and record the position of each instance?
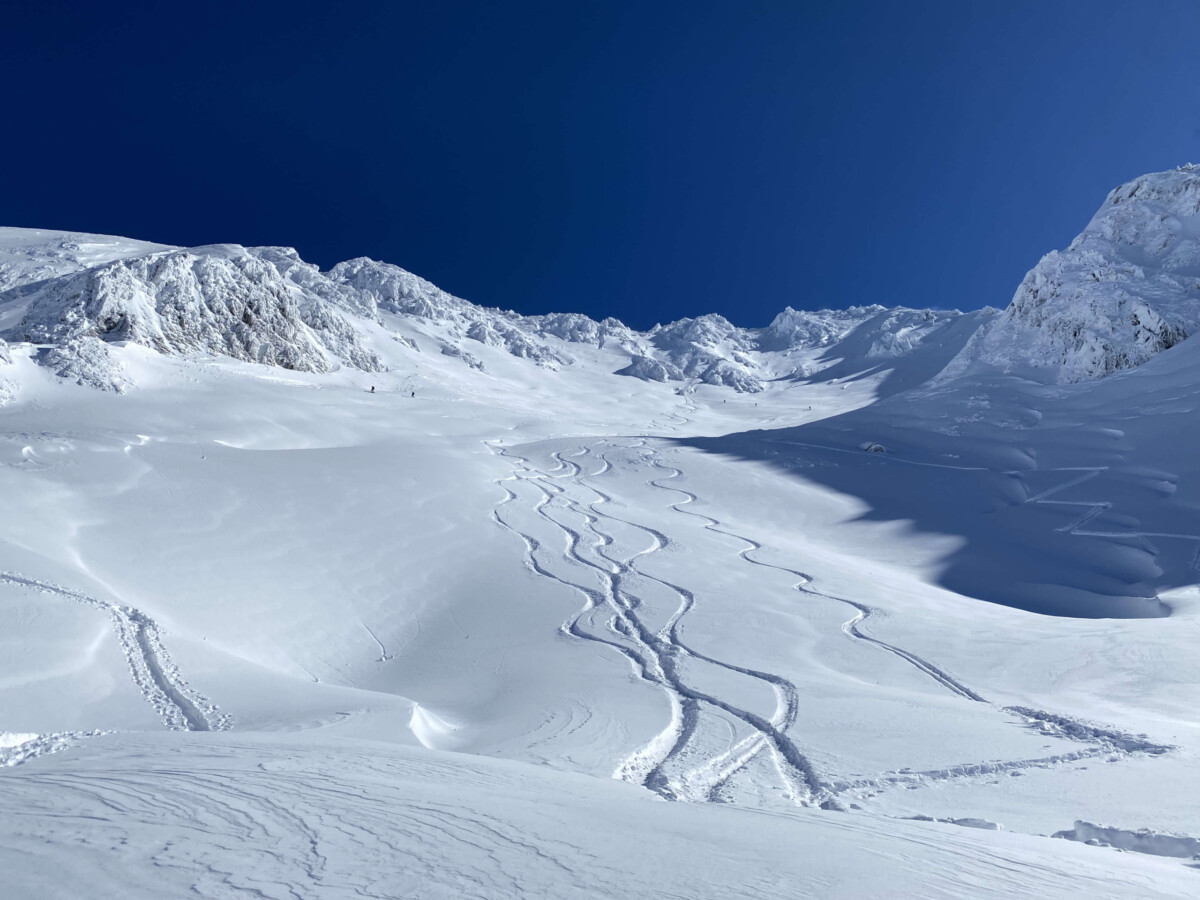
(666, 764)
(679, 763)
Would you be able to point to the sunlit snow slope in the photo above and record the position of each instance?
(330, 584)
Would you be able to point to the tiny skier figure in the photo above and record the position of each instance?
(372, 389)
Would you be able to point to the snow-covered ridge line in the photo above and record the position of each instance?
(1126, 289)
(266, 305)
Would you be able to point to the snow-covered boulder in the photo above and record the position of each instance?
(88, 361)
(1126, 289)
(725, 373)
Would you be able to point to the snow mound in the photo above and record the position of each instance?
(1140, 841)
(1126, 289)
(88, 361)
(224, 300)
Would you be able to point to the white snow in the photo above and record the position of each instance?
(446, 608)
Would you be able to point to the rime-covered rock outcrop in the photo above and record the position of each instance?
(649, 369)
(1126, 289)
(224, 300)
(813, 328)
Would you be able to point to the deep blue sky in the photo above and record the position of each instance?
(647, 160)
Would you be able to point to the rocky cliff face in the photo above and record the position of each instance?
(1127, 288)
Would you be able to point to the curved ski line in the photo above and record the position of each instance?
(181, 707)
(851, 626)
(706, 780)
(784, 753)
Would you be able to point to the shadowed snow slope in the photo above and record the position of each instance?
(1080, 501)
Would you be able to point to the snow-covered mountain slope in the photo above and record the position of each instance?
(1126, 289)
(31, 254)
(360, 589)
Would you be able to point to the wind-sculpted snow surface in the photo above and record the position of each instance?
(281, 816)
(1126, 289)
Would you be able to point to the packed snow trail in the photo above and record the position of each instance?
(158, 680)
(1095, 508)
(703, 782)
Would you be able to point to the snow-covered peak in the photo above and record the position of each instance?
(1126, 288)
(813, 328)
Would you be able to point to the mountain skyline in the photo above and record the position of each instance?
(646, 163)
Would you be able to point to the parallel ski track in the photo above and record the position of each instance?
(1106, 742)
(657, 656)
(701, 783)
(804, 585)
(181, 707)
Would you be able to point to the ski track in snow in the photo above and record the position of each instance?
(155, 674)
(659, 657)
(1095, 508)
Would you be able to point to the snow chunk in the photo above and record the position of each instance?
(1140, 841)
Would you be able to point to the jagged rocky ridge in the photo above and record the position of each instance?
(1128, 287)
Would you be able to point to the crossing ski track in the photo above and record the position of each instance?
(154, 673)
(660, 657)
(657, 656)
